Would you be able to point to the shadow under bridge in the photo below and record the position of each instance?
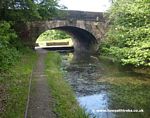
(83, 40)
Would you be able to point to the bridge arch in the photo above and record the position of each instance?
(86, 34)
(83, 40)
(79, 29)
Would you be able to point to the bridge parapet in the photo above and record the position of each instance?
(81, 15)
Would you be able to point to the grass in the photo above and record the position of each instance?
(15, 86)
(65, 104)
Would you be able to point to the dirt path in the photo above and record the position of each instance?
(40, 98)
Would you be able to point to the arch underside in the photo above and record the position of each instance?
(83, 40)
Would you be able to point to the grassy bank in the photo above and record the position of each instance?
(65, 104)
(14, 86)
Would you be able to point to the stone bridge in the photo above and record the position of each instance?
(86, 28)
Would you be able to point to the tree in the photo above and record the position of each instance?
(128, 38)
(48, 8)
(22, 10)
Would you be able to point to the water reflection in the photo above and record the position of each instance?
(100, 84)
(94, 103)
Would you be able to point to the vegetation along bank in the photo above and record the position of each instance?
(128, 37)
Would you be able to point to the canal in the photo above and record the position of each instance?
(106, 89)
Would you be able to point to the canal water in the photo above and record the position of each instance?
(106, 89)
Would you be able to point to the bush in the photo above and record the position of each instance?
(128, 38)
(8, 53)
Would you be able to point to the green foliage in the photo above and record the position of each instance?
(128, 39)
(18, 10)
(47, 8)
(8, 53)
(6, 33)
(52, 35)
(25, 10)
(65, 103)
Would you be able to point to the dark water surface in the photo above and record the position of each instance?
(105, 89)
